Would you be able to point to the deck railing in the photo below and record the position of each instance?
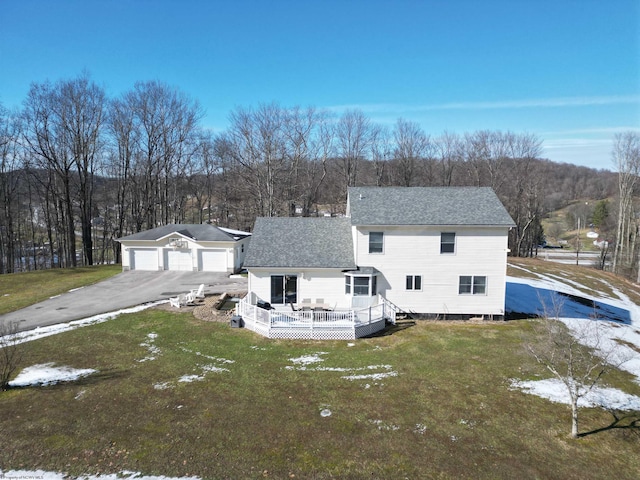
(348, 321)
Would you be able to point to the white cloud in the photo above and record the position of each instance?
(492, 105)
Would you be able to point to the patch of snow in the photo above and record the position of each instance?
(209, 357)
(372, 376)
(191, 378)
(420, 429)
(213, 368)
(234, 232)
(554, 390)
(48, 374)
(41, 332)
(308, 359)
(153, 350)
(43, 475)
(384, 426)
(162, 386)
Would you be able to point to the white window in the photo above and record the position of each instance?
(360, 286)
(447, 242)
(376, 242)
(472, 285)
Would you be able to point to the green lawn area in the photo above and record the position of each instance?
(423, 400)
(442, 407)
(19, 290)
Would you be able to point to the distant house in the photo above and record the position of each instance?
(436, 252)
(189, 247)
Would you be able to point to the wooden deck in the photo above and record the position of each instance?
(317, 325)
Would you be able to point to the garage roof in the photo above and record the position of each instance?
(196, 231)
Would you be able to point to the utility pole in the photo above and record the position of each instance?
(578, 243)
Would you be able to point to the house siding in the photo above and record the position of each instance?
(327, 284)
(409, 250)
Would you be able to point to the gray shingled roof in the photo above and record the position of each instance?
(427, 206)
(301, 242)
(198, 231)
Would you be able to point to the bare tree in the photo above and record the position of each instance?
(259, 147)
(310, 144)
(381, 151)
(11, 176)
(579, 358)
(411, 146)
(157, 126)
(63, 129)
(353, 140)
(123, 136)
(448, 151)
(626, 158)
(11, 352)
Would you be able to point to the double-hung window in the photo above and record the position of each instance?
(376, 242)
(447, 242)
(472, 285)
(414, 282)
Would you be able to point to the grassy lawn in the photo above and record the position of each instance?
(424, 400)
(442, 408)
(19, 290)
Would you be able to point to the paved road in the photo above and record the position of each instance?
(587, 259)
(126, 289)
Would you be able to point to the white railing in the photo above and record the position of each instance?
(265, 321)
(390, 310)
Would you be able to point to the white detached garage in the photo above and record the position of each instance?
(185, 247)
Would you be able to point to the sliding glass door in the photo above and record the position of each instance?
(284, 289)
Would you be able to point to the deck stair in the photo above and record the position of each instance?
(399, 312)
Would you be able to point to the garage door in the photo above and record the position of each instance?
(178, 260)
(144, 259)
(213, 260)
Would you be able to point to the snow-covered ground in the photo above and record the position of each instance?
(620, 321)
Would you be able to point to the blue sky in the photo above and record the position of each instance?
(566, 70)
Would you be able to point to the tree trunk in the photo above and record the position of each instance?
(574, 418)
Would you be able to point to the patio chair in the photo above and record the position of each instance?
(182, 300)
(199, 292)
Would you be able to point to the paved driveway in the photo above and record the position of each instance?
(126, 289)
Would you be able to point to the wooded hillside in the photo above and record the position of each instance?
(79, 169)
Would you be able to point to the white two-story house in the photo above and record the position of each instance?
(430, 252)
